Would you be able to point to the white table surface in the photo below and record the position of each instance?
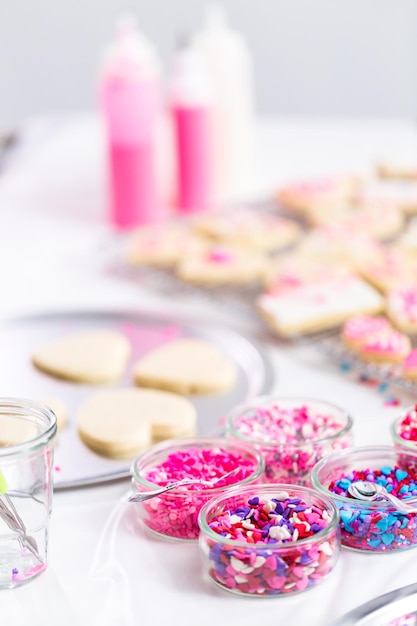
(53, 241)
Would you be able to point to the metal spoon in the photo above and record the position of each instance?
(365, 490)
(147, 495)
(15, 523)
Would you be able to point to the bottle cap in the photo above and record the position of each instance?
(131, 53)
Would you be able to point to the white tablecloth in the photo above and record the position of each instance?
(53, 240)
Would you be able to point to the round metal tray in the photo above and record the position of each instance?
(75, 463)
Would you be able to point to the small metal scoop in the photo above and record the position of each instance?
(147, 495)
(365, 490)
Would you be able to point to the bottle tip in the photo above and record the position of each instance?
(126, 23)
(215, 15)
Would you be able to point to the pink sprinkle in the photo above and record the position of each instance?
(220, 256)
(175, 513)
(291, 438)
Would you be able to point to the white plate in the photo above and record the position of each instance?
(75, 464)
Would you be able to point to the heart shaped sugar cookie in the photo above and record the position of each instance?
(186, 366)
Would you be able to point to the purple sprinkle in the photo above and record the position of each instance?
(279, 508)
(305, 558)
(316, 528)
(254, 501)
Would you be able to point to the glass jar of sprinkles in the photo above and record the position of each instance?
(371, 526)
(174, 514)
(269, 540)
(404, 429)
(292, 434)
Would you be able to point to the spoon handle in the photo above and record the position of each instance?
(147, 495)
(400, 505)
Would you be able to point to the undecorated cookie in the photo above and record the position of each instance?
(91, 356)
(186, 366)
(119, 423)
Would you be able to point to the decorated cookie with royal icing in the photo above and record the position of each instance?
(390, 346)
(220, 265)
(410, 365)
(388, 267)
(306, 196)
(402, 308)
(254, 230)
(160, 245)
(318, 306)
(360, 328)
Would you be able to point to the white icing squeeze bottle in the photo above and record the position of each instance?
(190, 96)
(228, 62)
(129, 89)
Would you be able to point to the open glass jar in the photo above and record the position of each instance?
(371, 526)
(282, 555)
(291, 434)
(27, 430)
(174, 514)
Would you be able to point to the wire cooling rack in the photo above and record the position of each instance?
(331, 345)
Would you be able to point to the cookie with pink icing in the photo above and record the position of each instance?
(382, 220)
(388, 267)
(220, 265)
(310, 308)
(160, 245)
(297, 269)
(359, 328)
(325, 193)
(252, 229)
(410, 365)
(401, 308)
(391, 346)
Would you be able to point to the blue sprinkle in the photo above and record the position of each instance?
(343, 484)
(383, 387)
(382, 524)
(388, 538)
(374, 543)
(345, 367)
(345, 516)
(386, 470)
(404, 489)
(400, 475)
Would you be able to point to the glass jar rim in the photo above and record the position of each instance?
(175, 444)
(262, 489)
(261, 400)
(346, 453)
(26, 408)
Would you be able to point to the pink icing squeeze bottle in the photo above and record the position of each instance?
(130, 102)
(190, 102)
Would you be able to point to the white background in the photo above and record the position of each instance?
(312, 57)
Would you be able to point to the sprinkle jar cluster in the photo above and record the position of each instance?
(375, 526)
(292, 434)
(270, 540)
(174, 514)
